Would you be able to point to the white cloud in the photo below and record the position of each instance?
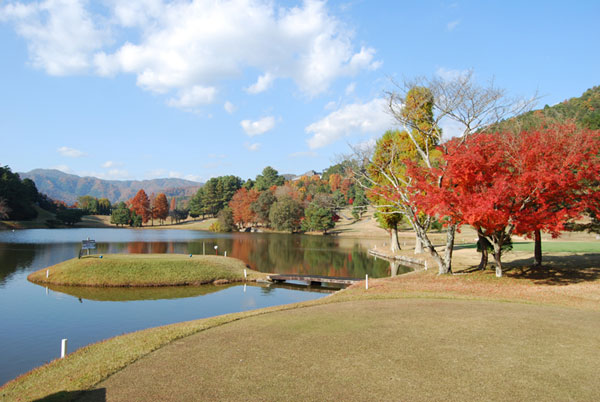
(112, 174)
(449, 74)
(110, 164)
(331, 105)
(194, 96)
(451, 128)
(188, 47)
(263, 83)
(452, 24)
(61, 35)
(350, 88)
(366, 145)
(356, 118)
(63, 168)
(252, 147)
(71, 152)
(116, 174)
(259, 126)
(229, 107)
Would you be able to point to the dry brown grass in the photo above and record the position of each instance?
(377, 350)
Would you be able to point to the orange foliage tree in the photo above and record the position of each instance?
(140, 204)
(241, 206)
(161, 207)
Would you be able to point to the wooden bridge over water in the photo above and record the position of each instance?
(313, 280)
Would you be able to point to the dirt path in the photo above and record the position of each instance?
(401, 349)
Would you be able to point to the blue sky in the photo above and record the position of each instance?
(143, 89)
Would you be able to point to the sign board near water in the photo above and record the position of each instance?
(88, 244)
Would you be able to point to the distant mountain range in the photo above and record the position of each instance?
(67, 187)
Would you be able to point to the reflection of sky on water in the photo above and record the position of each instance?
(35, 319)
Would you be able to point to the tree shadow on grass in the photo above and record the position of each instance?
(93, 395)
(557, 270)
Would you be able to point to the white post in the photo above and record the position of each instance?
(245, 274)
(203, 249)
(47, 272)
(225, 253)
(425, 265)
(367, 281)
(63, 348)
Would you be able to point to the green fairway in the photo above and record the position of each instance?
(144, 270)
(549, 246)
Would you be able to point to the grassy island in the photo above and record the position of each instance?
(133, 270)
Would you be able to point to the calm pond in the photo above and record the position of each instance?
(34, 319)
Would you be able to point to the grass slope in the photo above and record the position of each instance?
(144, 270)
(420, 335)
(409, 349)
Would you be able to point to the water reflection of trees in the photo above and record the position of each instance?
(14, 257)
(318, 255)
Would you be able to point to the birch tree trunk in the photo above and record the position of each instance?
(498, 257)
(449, 248)
(394, 244)
(418, 245)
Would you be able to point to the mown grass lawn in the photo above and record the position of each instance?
(144, 270)
(394, 349)
(549, 246)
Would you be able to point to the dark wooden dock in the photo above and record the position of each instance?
(313, 280)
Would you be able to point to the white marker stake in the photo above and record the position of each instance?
(47, 272)
(245, 274)
(63, 348)
(203, 249)
(225, 253)
(425, 265)
(367, 281)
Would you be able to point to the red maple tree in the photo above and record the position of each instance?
(514, 183)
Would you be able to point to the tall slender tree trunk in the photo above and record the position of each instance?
(498, 255)
(449, 247)
(537, 250)
(394, 244)
(394, 265)
(418, 245)
(483, 246)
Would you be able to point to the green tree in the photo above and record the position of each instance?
(286, 214)
(269, 177)
(120, 215)
(225, 220)
(359, 206)
(195, 205)
(20, 196)
(88, 204)
(262, 207)
(104, 206)
(69, 216)
(317, 218)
